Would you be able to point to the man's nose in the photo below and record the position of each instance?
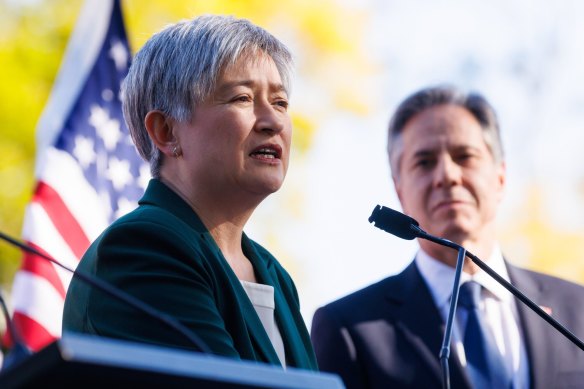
(447, 172)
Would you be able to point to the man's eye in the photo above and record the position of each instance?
(462, 158)
(425, 162)
(282, 103)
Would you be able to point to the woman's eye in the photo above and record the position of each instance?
(242, 98)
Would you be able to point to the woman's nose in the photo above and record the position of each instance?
(269, 118)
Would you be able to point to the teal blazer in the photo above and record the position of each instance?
(162, 254)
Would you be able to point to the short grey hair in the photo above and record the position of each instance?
(426, 98)
(178, 67)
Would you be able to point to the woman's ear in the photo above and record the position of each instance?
(159, 127)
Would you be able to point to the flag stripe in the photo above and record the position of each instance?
(35, 334)
(63, 220)
(62, 172)
(41, 267)
(40, 231)
(36, 298)
(82, 50)
(87, 173)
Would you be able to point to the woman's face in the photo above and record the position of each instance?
(238, 140)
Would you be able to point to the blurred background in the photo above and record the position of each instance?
(355, 61)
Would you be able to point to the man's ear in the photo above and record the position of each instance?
(502, 179)
(396, 186)
(159, 128)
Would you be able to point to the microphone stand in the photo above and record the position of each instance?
(445, 350)
(405, 227)
(507, 285)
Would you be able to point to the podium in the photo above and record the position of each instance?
(88, 361)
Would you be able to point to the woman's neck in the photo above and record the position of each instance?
(225, 220)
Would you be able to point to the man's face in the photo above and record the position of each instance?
(448, 180)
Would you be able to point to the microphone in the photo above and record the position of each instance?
(404, 226)
(394, 222)
(118, 294)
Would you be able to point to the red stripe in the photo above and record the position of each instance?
(62, 218)
(43, 268)
(34, 335)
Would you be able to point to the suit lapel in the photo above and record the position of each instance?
(421, 324)
(538, 343)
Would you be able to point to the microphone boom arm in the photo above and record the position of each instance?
(507, 285)
(405, 227)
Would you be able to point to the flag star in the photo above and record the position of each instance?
(119, 54)
(144, 176)
(101, 161)
(98, 116)
(118, 172)
(108, 129)
(107, 94)
(84, 151)
(125, 206)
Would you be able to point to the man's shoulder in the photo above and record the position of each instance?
(550, 283)
(374, 294)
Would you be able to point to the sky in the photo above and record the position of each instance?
(526, 57)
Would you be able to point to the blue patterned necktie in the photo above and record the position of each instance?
(485, 364)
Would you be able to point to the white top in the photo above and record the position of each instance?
(497, 305)
(262, 299)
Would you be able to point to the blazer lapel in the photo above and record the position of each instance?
(538, 343)
(421, 324)
(289, 324)
(257, 330)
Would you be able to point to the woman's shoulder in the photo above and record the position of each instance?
(151, 232)
(150, 219)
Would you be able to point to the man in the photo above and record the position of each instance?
(448, 168)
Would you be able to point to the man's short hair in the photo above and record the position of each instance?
(426, 98)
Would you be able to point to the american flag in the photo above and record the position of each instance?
(87, 169)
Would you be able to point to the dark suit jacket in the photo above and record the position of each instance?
(389, 334)
(162, 254)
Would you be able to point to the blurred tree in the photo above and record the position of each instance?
(34, 35)
(532, 239)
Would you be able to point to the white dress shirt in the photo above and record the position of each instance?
(262, 299)
(497, 305)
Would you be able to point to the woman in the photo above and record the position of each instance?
(206, 103)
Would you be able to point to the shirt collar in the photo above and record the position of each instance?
(440, 277)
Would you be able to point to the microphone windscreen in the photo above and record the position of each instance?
(394, 222)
